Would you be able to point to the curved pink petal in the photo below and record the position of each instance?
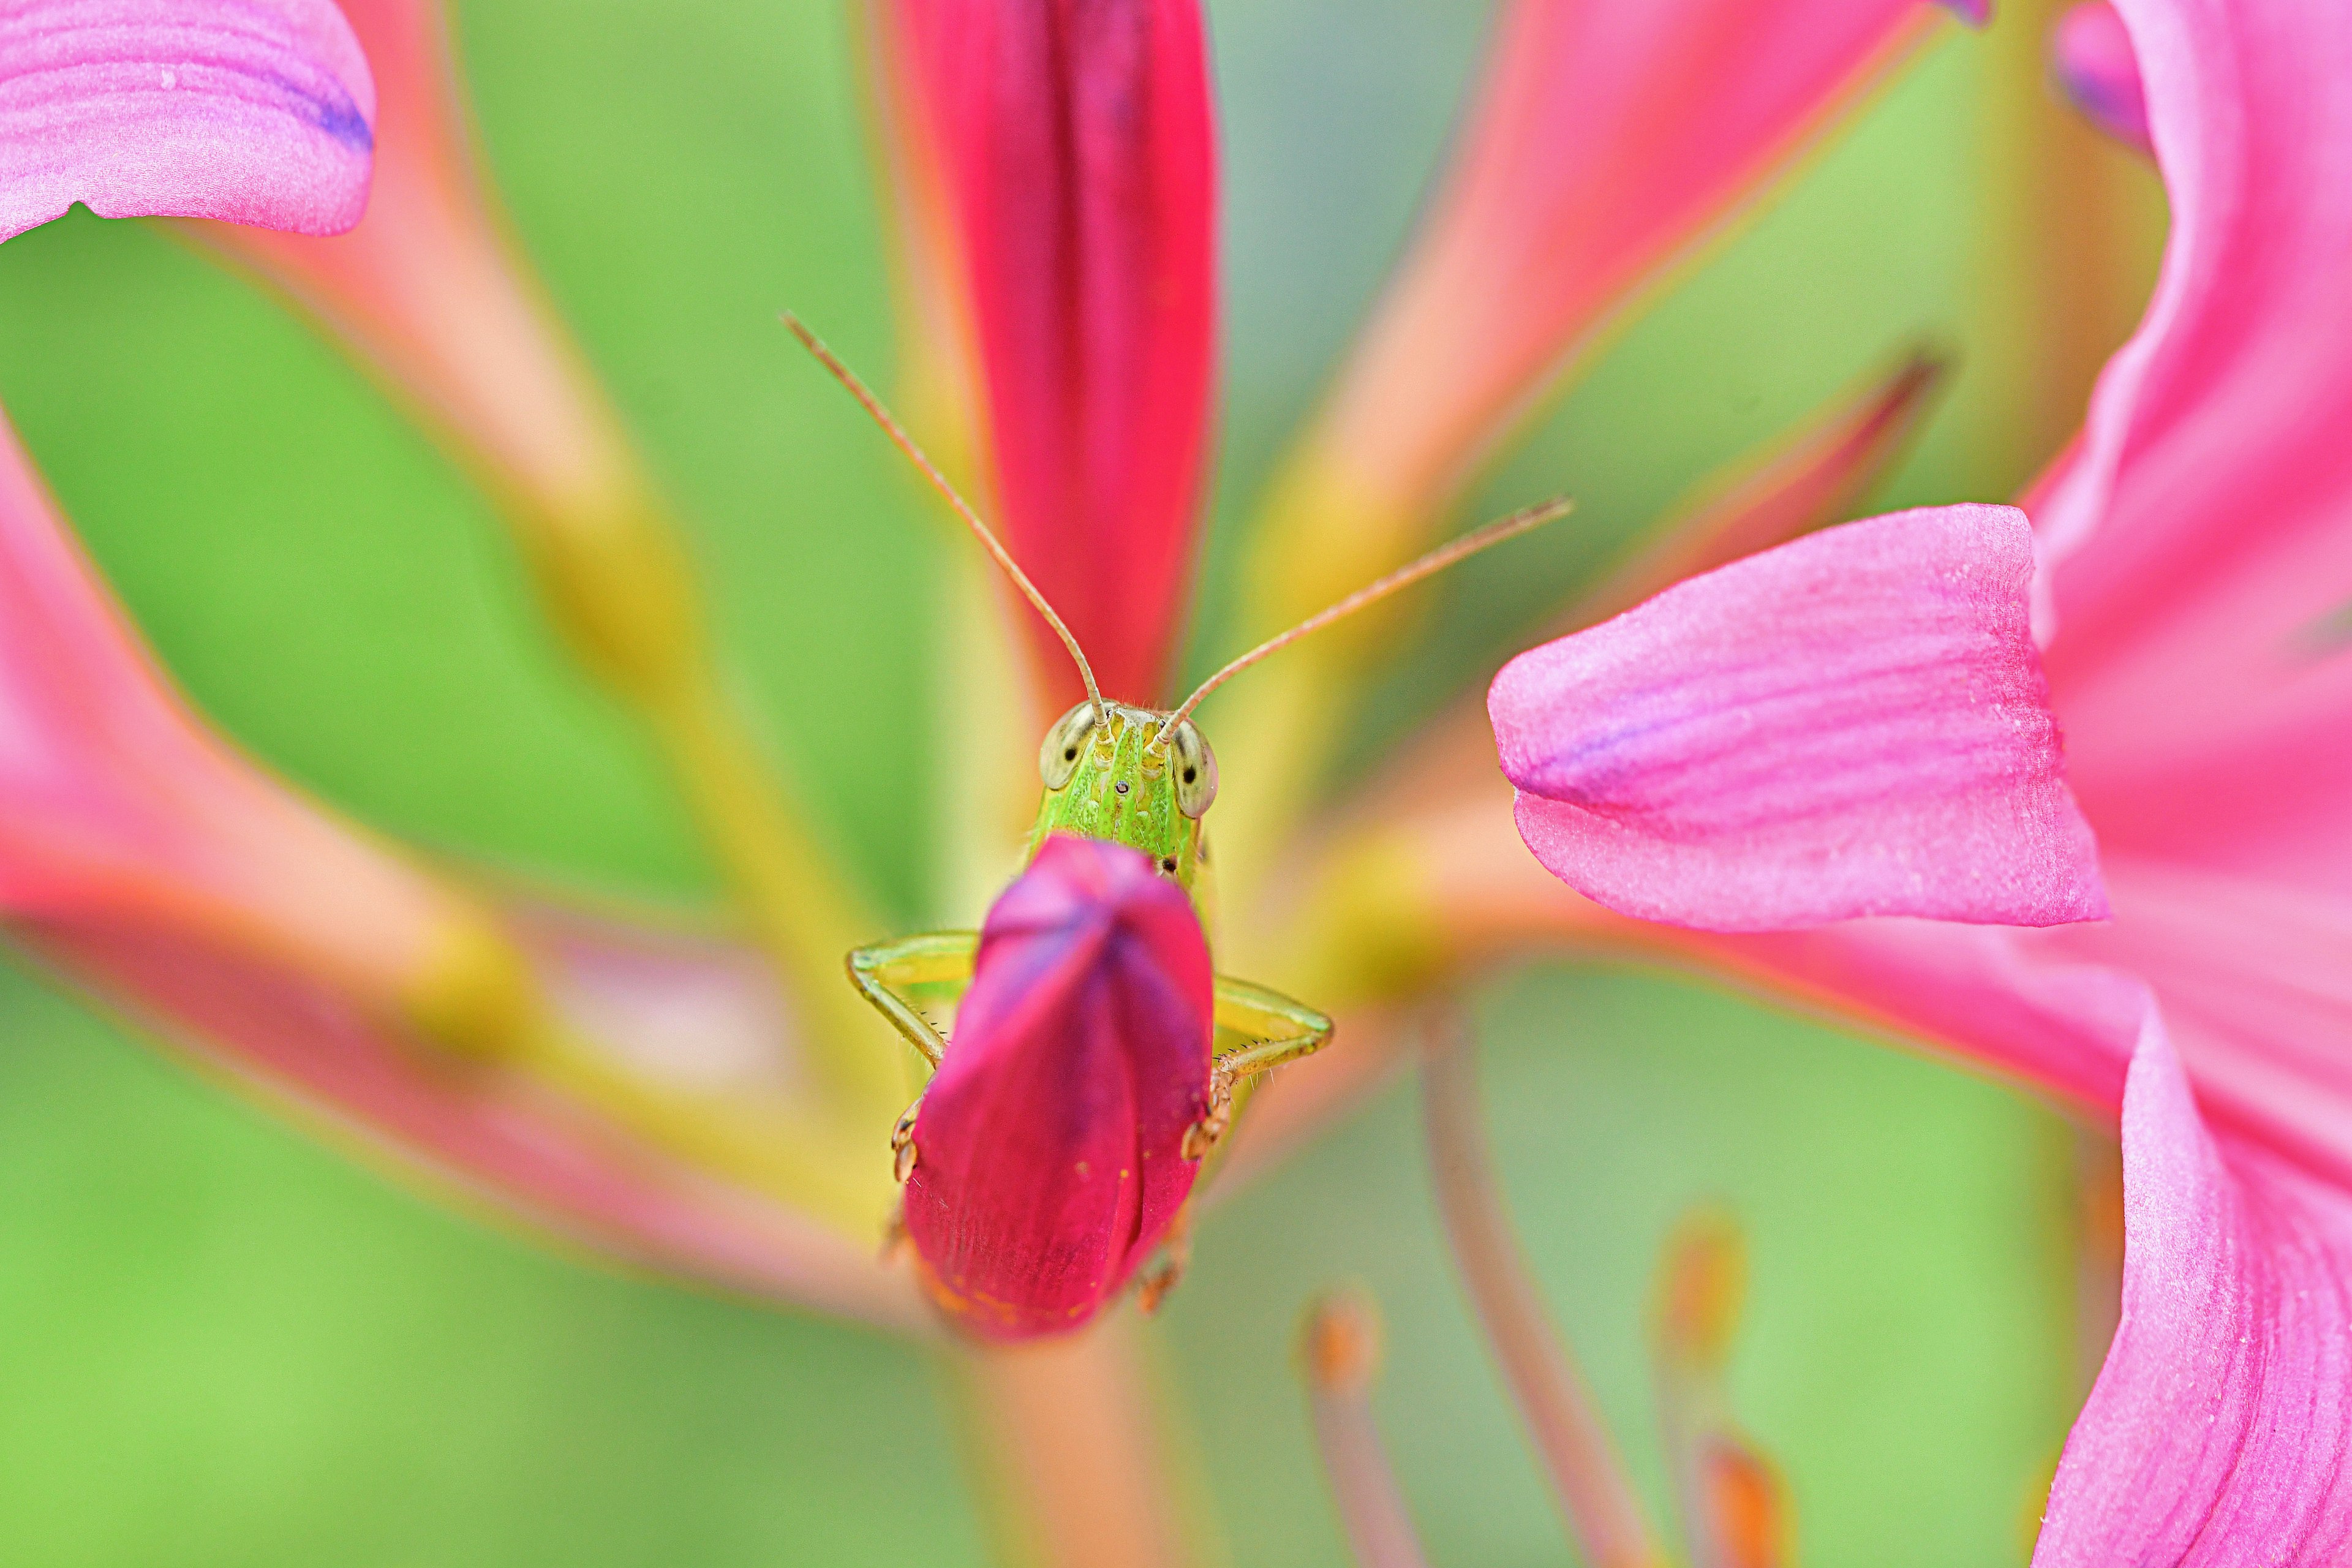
(2220, 1433)
(153, 864)
(1600, 138)
(2202, 563)
(115, 802)
(1079, 149)
(1049, 1149)
(2090, 55)
(260, 112)
(1851, 724)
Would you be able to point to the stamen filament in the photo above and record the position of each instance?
(1338, 1357)
(1599, 1502)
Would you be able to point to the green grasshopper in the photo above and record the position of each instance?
(1136, 776)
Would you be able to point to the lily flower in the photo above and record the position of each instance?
(2192, 569)
(717, 1103)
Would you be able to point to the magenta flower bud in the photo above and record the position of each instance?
(1049, 1151)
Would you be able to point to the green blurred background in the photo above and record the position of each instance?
(222, 1343)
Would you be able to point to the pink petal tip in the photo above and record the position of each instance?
(2091, 58)
(1851, 724)
(258, 111)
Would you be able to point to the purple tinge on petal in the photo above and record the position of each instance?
(258, 111)
(1049, 1147)
(2220, 1433)
(2091, 57)
(1851, 724)
(1975, 13)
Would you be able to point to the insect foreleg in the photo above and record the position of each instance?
(1282, 1030)
(889, 975)
(1279, 1030)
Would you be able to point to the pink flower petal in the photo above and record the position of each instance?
(2203, 564)
(153, 866)
(1851, 724)
(2220, 1433)
(260, 112)
(694, 1014)
(1600, 141)
(1078, 147)
(2090, 56)
(1049, 1159)
(115, 802)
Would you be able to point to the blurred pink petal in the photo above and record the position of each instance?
(2091, 57)
(155, 866)
(258, 111)
(1602, 140)
(2220, 1433)
(427, 289)
(519, 1148)
(1851, 724)
(1079, 149)
(115, 803)
(1050, 1144)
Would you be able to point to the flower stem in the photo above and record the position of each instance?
(1072, 1454)
(1603, 1513)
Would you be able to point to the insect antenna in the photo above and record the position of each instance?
(1437, 560)
(987, 536)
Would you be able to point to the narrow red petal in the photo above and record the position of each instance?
(1078, 144)
(1049, 1159)
(695, 1017)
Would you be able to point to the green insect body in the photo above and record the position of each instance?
(1111, 778)
(1108, 776)
(1133, 777)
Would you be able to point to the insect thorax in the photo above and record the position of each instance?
(1122, 788)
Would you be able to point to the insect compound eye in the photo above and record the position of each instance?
(1057, 758)
(1196, 771)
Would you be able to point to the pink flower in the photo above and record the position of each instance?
(2194, 564)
